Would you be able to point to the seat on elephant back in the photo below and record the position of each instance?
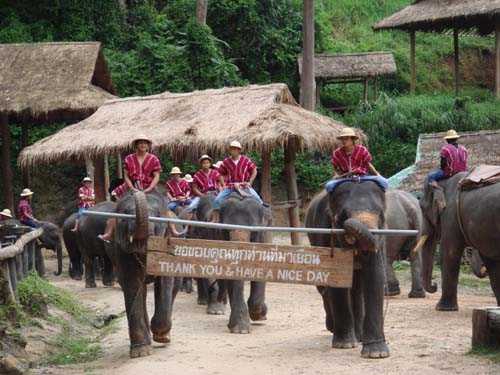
(480, 176)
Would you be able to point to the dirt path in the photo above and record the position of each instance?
(292, 341)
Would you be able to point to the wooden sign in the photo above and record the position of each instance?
(249, 261)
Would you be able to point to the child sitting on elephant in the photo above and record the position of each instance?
(178, 190)
(86, 199)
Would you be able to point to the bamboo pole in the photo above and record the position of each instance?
(8, 189)
(307, 79)
(292, 189)
(457, 61)
(497, 57)
(413, 66)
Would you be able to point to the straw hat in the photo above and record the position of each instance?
(451, 134)
(26, 193)
(188, 178)
(204, 157)
(347, 133)
(87, 179)
(6, 213)
(235, 144)
(175, 170)
(141, 138)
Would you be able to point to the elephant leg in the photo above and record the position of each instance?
(392, 285)
(373, 276)
(108, 277)
(215, 307)
(89, 272)
(239, 320)
(256, 302)
(344, 336)
(202, 289)
(493, 268)
(358, 307)
(161, 324)
(417, 290)
(327, 306)
(451, 256)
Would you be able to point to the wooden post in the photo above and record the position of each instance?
(486, 327)
(365, 91)
(265, 186)
(6, 291)
(25, 129)
(307, 79)
(457, 61)
(497, 56)
(413, 66)
(99, 179)
(106, 176)
(8, 189)
(201, 11)
(292, 189)
(119, 166)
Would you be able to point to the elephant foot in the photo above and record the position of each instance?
(348, 342)
(329, 323)
(216, 308)
(239, 326)
(187, 286)
(203, 301)
(375, 350)
(163, 338)
(419, 293)
(90, 284)
(76, 277)
(392, 290)
(140, 351)
(108, 283)
(446, 306)
(258, 312)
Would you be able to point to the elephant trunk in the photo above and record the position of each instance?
(141, 232)
(173, 229)
(428, 249)
(477, 265)
(59, 259)
(359, 233)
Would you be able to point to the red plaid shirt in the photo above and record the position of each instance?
(142, 175)
(237, 172)
(178, 189)
(24, 211)
(206, 181)
(356, 163)
(456, 159)
(84, 194)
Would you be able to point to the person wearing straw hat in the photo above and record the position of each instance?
(24, 210)
(453, 159)
(5, 215)
(178, 190)
(86, 199)
(238, 172)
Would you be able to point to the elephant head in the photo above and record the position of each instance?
(51, 239)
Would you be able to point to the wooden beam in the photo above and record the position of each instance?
(497, 57)
(25, 129)
(457, 61)
(307, 81)
(413, 66)
(99, 179)
(201, 11)
(292, 189)
(7, 185)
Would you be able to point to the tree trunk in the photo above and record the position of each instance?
(201, 11)
(307, 79)
(8, 189)
(497, 57)
(25, 129)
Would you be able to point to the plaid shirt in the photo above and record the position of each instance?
(206, 181)
(24, 211)
(237, 172)
(356, 163)
(142, 175)
(86, 197)
(456, 159)
(178, 189)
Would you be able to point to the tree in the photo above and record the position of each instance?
(201, 11)
(307, 81)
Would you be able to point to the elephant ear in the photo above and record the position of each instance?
(433, 203)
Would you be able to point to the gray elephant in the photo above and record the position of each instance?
(403, 212)
(128, 252)
(354, 314)
(71, 244)
(51, 239)
(92, 248)
(480, 213)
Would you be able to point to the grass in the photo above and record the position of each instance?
(493, 354)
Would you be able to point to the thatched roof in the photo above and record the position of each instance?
(483, 147)
(260, 117)
(352, 65)
(441, 15)
(42, 82)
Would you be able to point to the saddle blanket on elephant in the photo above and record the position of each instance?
(382, 182)
(480, 176)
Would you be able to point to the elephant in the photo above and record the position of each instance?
(479, 211)
(403, 212)
(92, 248)
(128, 253)
(71, 243)
(51, 239)
(354, 314)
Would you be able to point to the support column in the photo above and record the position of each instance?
(457, 62)
(99, 179)
(307, 81)
(497, 57)
(292, 189)
(7, 185)
(265, 186)
(119, 166)
(25, 129)
(413, 66)
(106, 176)
(201, 11)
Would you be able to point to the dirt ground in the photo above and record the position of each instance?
(292, 341)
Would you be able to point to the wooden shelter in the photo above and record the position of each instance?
(262, 118)
(351, 67)
(483, 147)
(478, 16)
(48, 82)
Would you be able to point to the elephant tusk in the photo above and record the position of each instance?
(420, 243)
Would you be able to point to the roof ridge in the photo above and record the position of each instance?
(50, 43)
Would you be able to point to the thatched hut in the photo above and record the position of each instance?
(478, 16)
(48, 82)
(351, 67)
(262, 118)
(483, 146)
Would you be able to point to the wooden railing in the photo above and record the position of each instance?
(17, 261)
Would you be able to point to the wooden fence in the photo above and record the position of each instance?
(17, 261)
